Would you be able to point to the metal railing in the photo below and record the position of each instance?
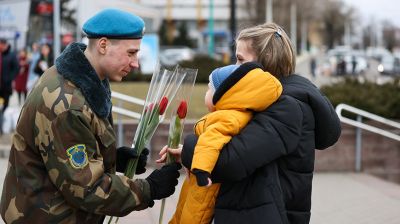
(119, 110)
(358, 123)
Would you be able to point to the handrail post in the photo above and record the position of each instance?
(360, 126)
(120, 128)
(358, 146)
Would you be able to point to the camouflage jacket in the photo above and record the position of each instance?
(62, 161)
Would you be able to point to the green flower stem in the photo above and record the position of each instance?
(147, 127)
(175, 133)
(174, 138)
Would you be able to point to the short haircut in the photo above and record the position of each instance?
(92, 42)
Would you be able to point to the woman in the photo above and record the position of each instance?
(45, 61)
(266, 171)
(22, 76)
(34, 56)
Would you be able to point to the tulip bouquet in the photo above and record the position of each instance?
(163, 87)
(178, 115)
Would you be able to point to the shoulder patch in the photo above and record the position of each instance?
(77, 156)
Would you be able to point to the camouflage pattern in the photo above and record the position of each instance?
(44, 182)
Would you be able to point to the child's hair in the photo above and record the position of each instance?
(272, 47)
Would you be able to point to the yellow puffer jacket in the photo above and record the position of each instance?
(255, 91)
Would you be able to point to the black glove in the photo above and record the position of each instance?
(188, 149)
(163, 181)
(201, 177)
(124, 154)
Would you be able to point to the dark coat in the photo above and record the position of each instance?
(266, 171)
(9, 70)
(47, 60)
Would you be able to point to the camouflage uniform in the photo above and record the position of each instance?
(62, 162)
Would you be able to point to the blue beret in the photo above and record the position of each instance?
(114, 24)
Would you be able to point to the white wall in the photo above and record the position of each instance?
(14, 18)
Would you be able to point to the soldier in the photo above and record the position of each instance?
(63, 158)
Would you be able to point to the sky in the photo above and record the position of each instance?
(377, 9)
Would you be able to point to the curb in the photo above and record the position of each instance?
(5, 151)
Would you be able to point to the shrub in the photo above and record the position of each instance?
(383, 100)
(205, 64)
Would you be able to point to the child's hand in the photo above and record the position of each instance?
(176, 153)
(209, 182)
(202, 178)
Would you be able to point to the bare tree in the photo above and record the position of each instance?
(389, 35)
(334, 23)
(328, 17)
(256, 12)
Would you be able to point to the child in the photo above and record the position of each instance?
(234, 92)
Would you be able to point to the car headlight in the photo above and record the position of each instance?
(381, 68)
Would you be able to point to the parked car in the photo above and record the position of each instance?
(388, 65)
(172, 56)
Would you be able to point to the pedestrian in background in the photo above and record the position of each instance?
(353, 65)
(313, 66)
(341, 66)
(63, 161)
(45, 60)
(266, 170)
(22, 76)
(8, 71)
(33, 56)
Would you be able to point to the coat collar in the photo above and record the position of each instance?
(327, 123)
(74, 66)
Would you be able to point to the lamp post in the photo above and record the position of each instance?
(78, 21)
(304, 28)
(211, 29)
(268, 11)
(233, 28)
(56, 28)
(293, 24)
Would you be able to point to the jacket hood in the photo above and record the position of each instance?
(327, 123)
(74, 66)
(247, 88)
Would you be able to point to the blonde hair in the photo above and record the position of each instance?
(272, 47)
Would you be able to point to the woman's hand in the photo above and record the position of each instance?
(176, 153)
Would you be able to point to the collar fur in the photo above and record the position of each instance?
(74, 66)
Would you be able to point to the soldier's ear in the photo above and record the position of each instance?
(102, 45)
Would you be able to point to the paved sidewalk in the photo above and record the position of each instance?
(348, 198)
(338, 198)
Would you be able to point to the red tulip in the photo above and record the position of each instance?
(182, 109)
(163, 105)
